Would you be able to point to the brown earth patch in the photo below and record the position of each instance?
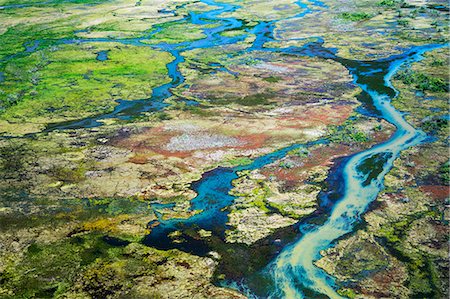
(439, 193)
(319, 115)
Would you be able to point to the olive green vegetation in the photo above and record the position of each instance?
(257, 196)
(425, 94)
(347, 133)
(173, 33)
(423, 278)
(239, 161)
(255, 99)
(355, 16)
(118, 206)
(91, 257)
(15, 39)
(12, 162)
(84, 263)
(300, 152)
(204, 57)
(348, 293)
(68, 82)
(199, 111)
(69, 175)
(286, 164)
(396, 4)
(96, 211)
(58, 266)
(252, 100)
(444, 172)
(372, 167)
(233, 33)
(273, 79)
(435, 125)
(388, 3)
(361, 259)
(423, 81)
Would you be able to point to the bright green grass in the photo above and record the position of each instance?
(355, 16)
(173, 33)
(13, 40)
(69, 82)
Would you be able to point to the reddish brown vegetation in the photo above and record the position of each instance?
(439, 193)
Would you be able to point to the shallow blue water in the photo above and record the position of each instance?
(102, 56)
(212, 200)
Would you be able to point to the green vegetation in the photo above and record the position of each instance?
(388, 3)
(15, 38)
(273, 79)
(355, 16)
(423, 81)
(48, 3)
(239, 161)
(362, 258)
(286, 164)
(437, 62)
(58, 266)
(444, 172)
(300, 152)
(257, 196)
(423, 280)
(198, 110)
(13, 159)
(68, 82)
(161, 115)
(435, 125)
(348, 293)
(119, 206)
(68, 175)
(372, 166)
(403, 22)
(255, 99)
(233, 33)
(173, 33)
(53, 246)
(347, 132)
(80, 264)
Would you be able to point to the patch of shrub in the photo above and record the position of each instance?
(355, 16)
(422, 81)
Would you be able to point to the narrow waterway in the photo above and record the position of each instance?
(211, 202)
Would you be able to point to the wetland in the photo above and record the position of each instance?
(224, 149)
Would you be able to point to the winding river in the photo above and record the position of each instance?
(293, 271)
